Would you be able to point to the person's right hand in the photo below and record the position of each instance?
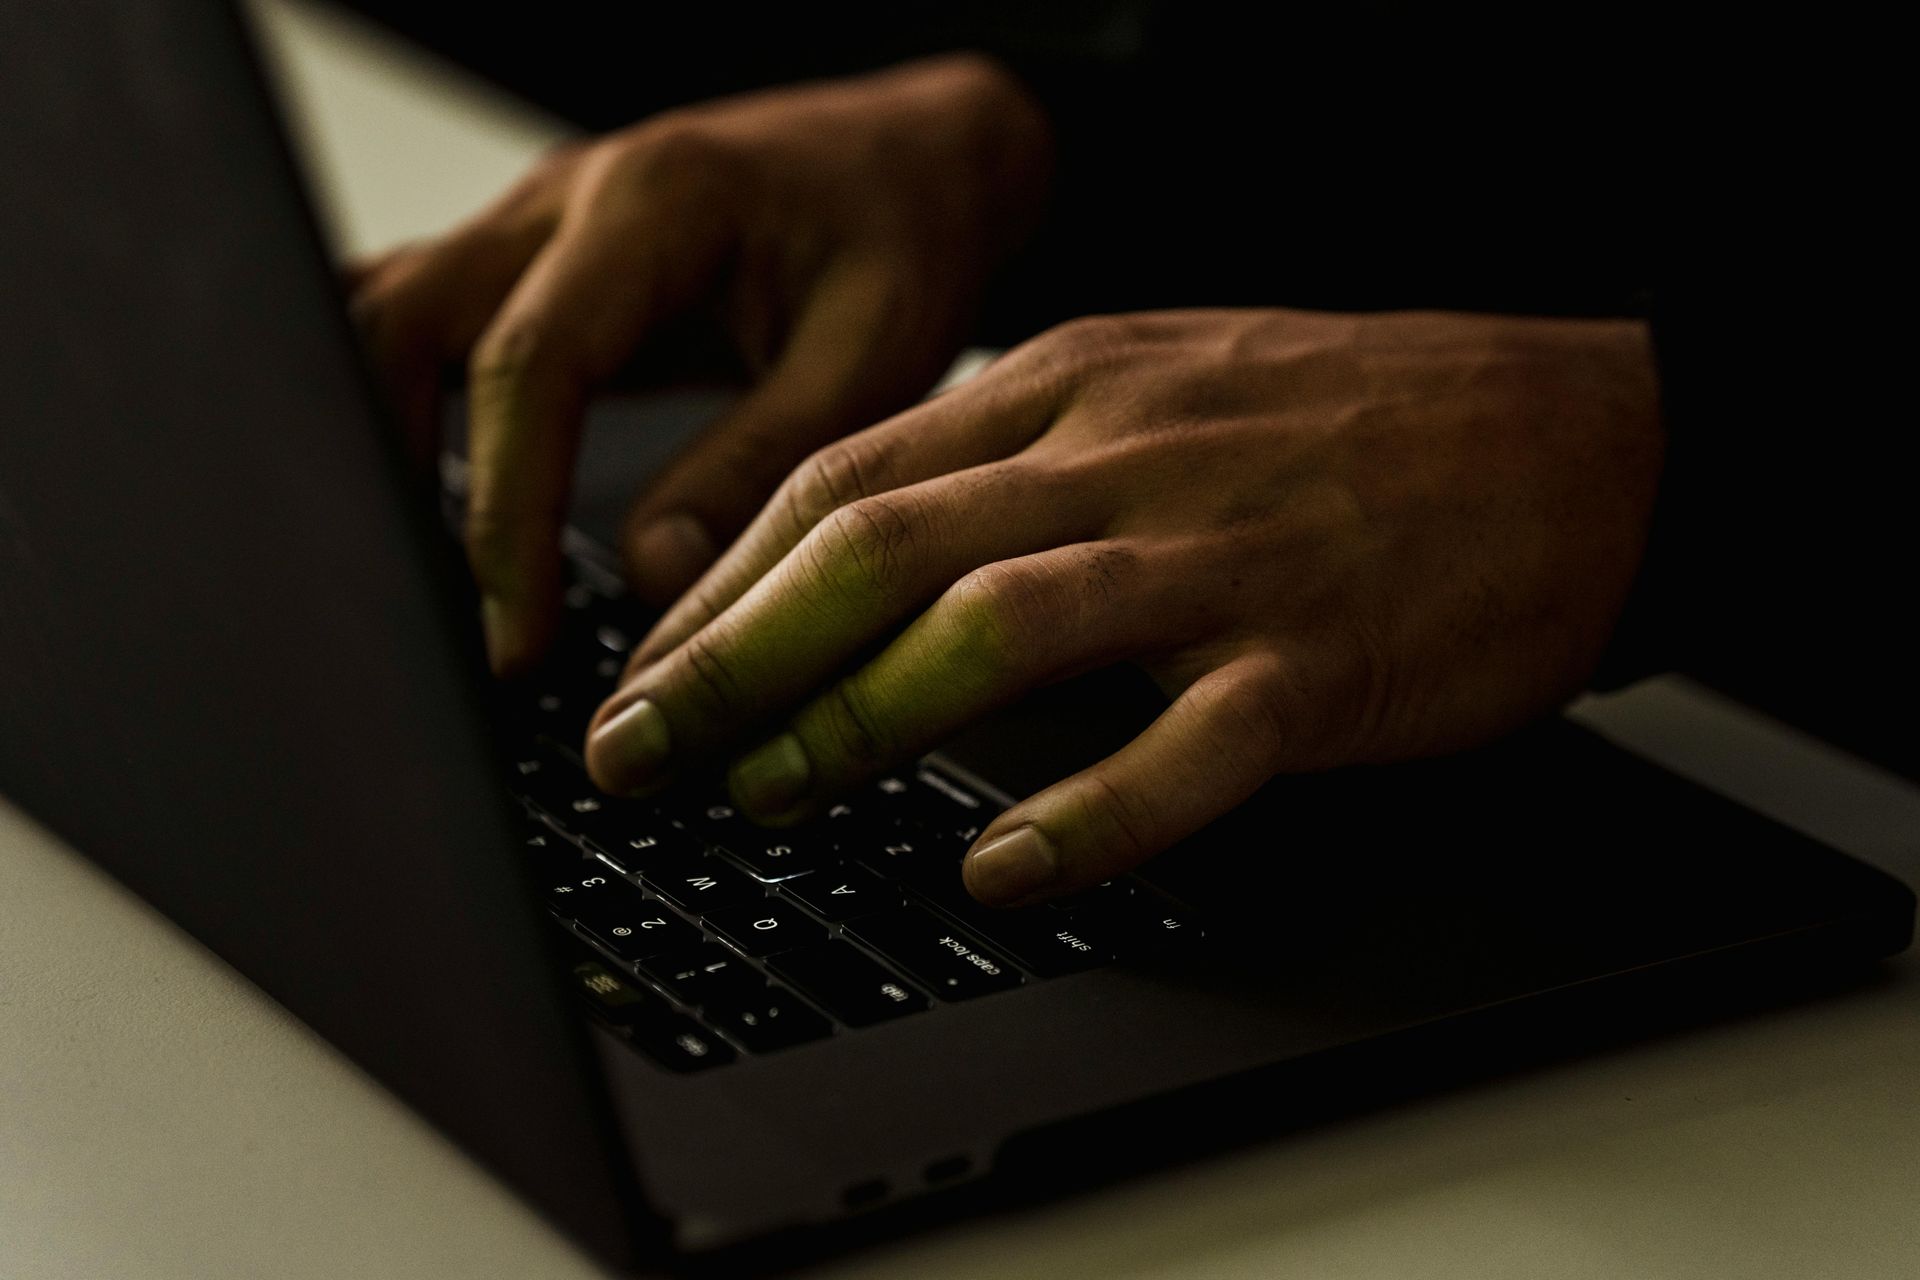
(839, 234)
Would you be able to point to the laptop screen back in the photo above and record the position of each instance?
(228, 666)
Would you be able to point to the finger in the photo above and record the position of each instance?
(423, 308)
(609, 275)
(998, 632)
(861, 572)
(992, 419)
(1224, 736)
(357, 272)
(841, 367)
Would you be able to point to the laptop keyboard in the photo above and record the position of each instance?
(709, 938)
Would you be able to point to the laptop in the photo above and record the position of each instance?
(239, 667)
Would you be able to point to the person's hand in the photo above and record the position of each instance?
(837, 234)
(1332, 539)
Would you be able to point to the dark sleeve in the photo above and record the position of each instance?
(1780, 567)
(1356, 156)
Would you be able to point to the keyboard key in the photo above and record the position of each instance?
(1108, 893)
(773, 1020)
(542, 778)
(935, 953)
(1038, 937)
(633, 838)
(700, 884)
(635, 929)
(610, 995)
(714, 821)
(561, 790)
(934, 793)
(595, 889)
(910, 860)
(707, 972)
(842, 893)
(678, 1043)
(1140, 922)
(774, 856)
(552, 855)
(1051, 943)
(853, 988)
(560, 711)
(765, 927)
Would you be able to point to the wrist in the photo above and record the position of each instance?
(1003, 137)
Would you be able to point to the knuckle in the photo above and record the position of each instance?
(831, 478)
(1003, 612)
(1088, 340)
(709, 675)
(559, 159)
(1251, 709)
(1122, 820)
(857, 732)
(380, 313)
(509, 352)
(870, 540)
(495, 541)
(670, 153)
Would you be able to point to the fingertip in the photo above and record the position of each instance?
(769, 783)
(515, 641)
(627, 749)
(1013, 868)
(667, 556)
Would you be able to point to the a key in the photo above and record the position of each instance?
(935, 953)
(765, 927)
(842, 893)
(853, 988)
(700, 884)
(706, 972)
(774, 1020)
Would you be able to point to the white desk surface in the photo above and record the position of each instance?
(159, 1117)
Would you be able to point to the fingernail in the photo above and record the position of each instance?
(630, 748)
(668, 556)
(1013, 866)
(772, 778)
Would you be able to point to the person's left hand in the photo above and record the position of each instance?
(1332, 539)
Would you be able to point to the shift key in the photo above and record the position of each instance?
(946, 961)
